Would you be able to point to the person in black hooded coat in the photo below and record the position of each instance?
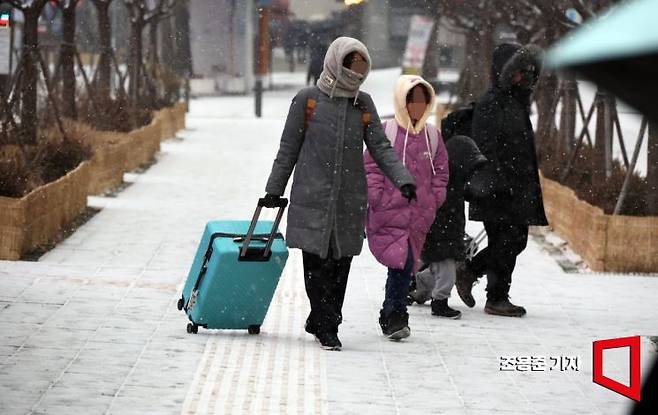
(444, 245)
(503, 132)
(446, 236)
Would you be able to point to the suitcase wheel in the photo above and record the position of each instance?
(253, 329)
(192, 328)
(180, 303)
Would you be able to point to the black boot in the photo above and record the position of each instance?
(328, 340)
(503, 307)
(442, 309)
(464, 282)
(395, 326)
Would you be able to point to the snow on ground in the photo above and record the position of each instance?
(92, 327)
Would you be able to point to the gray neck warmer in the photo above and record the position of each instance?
(336, 80)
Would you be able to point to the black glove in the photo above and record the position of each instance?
(271, 200)
(408, 191)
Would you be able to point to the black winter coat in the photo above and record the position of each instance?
(503, 132)
(446, 236)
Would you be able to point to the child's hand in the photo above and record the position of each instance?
(408, 191)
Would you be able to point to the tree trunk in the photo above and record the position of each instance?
(568, 114)
(485, 59)
(135, 60)
(153, 61)
(183, 50)
(67, 60)
(431, 64)
(167, 41)
(465, 87)
(546, 97)
(153, 42)
(652, 170)
(30, 75)
(474, 79)
(103, 79)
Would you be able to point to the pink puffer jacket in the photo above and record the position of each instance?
(392, 222)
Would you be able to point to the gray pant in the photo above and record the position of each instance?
(437, 280)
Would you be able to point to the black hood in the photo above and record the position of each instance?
(463, 155)
(458, 122)
(511, 57)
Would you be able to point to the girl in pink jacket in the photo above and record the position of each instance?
(396, 227)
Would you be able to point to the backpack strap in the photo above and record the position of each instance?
(308, 114)
(391, 130)
(433, 134)
(365, 118)
(311, 102)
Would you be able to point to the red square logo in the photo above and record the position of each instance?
(633, 343)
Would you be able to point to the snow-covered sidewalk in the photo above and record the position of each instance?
(93, 328)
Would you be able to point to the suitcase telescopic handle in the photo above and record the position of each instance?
(281, 204)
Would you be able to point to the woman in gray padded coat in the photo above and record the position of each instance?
(323, 138)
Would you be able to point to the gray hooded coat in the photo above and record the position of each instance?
(329, 193)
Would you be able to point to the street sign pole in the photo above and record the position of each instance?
(263, 55)
(11, 43)
(6, 37)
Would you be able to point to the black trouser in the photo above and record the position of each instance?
(326, 281)
(498, 259)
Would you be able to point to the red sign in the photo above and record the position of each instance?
(4, 19)
(631, 391)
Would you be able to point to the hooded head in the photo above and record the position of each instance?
(458, 122)
(336, 80)
(403, 87)
(464, 156)
(516, 65)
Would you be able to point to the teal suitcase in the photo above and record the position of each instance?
(235, 272)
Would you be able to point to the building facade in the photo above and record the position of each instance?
(221, 37)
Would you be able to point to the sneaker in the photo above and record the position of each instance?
(416, 297)
(464, 283)
(328, 340)
(396, 326)
(442, 309)
(503, 308)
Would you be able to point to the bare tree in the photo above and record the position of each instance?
(530, 21)
(67, 57)
(103, 76)
(182, 63)
(30, 61)
(142, 13)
